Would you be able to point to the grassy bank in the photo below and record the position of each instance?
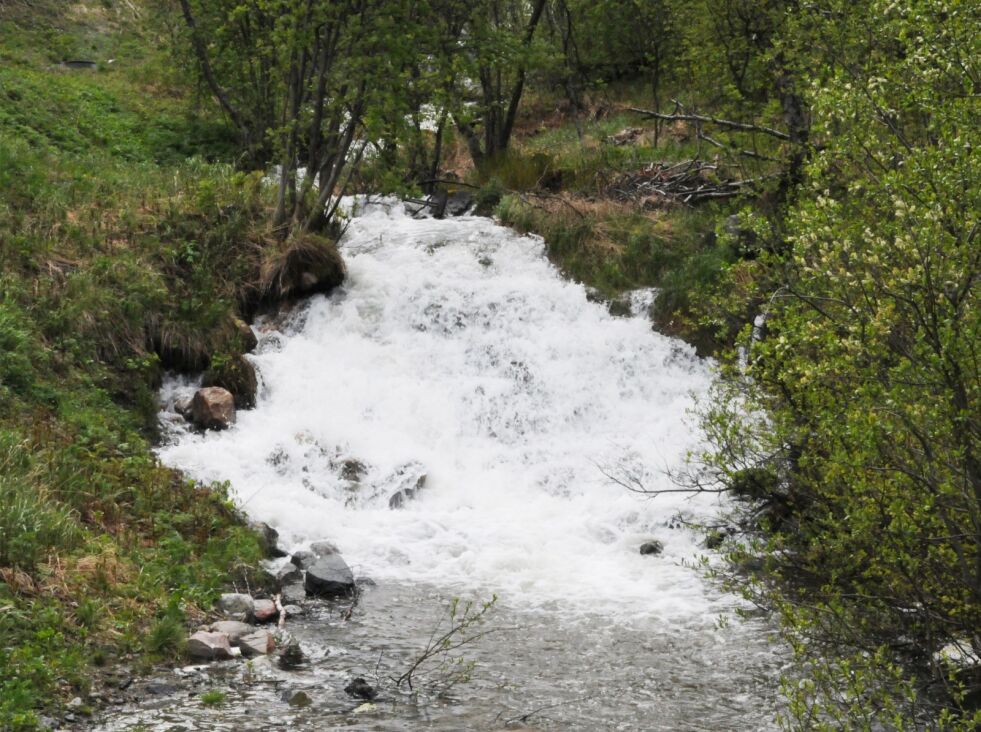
(127, 245)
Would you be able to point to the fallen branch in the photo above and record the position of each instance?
(730, 124)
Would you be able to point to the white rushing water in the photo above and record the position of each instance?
(455, 350)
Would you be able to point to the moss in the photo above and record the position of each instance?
(236, 375)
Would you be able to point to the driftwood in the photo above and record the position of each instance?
(689, 182)
(681, 116)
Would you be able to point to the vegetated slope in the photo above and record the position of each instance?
(116, 248)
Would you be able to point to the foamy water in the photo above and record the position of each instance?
(456, 358)
(455, 350)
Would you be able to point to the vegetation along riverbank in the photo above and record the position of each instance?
(800, 181)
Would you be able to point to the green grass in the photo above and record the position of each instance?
(126, 245)
(213, 698)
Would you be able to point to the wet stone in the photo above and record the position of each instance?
(209, 646)
(259, 643)
(303, 558)
(651, 548)
(329, 577)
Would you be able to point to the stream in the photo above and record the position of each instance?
(457, 368)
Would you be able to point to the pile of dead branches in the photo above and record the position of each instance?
(689, 183)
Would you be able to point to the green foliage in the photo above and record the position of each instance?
(213, 698)
(861, 394)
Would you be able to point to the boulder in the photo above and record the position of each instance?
(213, 408)
(258, 643)
(329, 577)
(323, 548)
(209, 646)
(234, 629)
(651, 548)
(265, 611)
(361, 689)
(303, 558)
(292, 611)
(236, 606)
(237, 375)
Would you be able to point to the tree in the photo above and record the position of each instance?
(860, 401)
(308, 84)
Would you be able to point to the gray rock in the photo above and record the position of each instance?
(303, 558)
(265, 611)
(329, 577)
(651, 548)
(209, 646)
(259, 643)
(292, 611)
(213, 408)
(236, 606)
(323, 548)
(293, 594)
(288, 574)
(234, 629)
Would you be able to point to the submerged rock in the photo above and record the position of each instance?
(361, 689)
(209, 646)
(329, 577)
(213, 408)
(651, 548)
(296, 698)
(291, 656)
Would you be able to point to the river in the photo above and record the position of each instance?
(457, 357)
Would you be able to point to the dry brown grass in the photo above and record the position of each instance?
(304, 266)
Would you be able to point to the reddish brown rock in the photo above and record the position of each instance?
(213, 408)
